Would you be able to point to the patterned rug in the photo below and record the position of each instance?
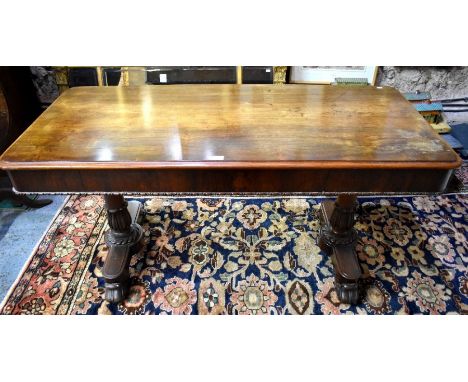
(241, 255)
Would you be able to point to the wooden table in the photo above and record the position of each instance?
(230, 138)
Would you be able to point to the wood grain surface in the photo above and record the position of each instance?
(229, 126)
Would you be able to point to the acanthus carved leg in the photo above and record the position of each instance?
(123, 239)
(338, 238)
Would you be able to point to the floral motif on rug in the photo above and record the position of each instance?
(235, 255)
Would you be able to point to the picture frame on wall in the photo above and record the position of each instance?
(328, 74)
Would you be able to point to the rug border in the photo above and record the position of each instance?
(34, 250)
(83, 275)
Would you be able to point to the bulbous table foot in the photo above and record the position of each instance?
(116, 292)
(347, 293)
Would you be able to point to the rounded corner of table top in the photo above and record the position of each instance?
(5, 165)
(458, 162)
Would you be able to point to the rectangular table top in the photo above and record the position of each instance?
(229, 126)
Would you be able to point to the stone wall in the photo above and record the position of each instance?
(44, 81)
(440, 81)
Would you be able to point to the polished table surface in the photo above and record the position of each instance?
(101, 133)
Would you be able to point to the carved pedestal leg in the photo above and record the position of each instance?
(123, 239)
(338, 239)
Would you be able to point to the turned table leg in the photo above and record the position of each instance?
(338, 239)
(123, 239)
